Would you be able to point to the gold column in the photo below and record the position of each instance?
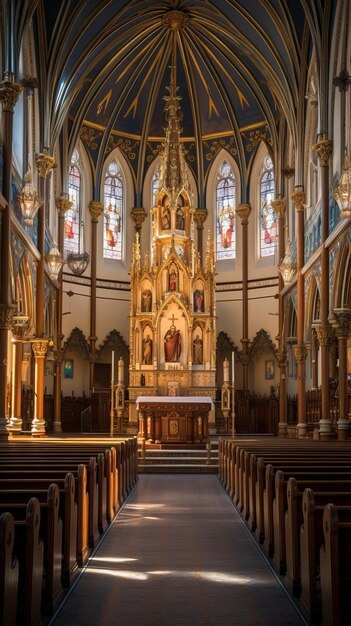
(44, 163)
(39, 347)
(279, 206)
(15, 424)
(323, 150)
(243, 212)
(342, 325)
(9, 93)
(300, 350)
(314, 348)
(199, 219)
(96, 209)
(62, 204)
(138, 215)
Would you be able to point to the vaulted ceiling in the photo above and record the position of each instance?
(103, 65)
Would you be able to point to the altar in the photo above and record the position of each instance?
(181, 419)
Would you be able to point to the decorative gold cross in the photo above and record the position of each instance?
(173, 319)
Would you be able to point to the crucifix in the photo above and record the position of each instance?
(173, 319)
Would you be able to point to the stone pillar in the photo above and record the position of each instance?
(279, 206)
(96, 209)
(323, 150)
(9, 93)
(138, 215)
(300, 351)
(342, 326)
(199, 218)
(15, 424)
(243, 212)
(44, 163)
(62, 204)
(39, 347)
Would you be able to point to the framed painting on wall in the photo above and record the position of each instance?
(269, 370)
(68, 368)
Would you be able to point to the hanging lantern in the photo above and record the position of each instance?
(78, 263)
(287, 267)
(342, 191)
(29, 200)
(55, 261)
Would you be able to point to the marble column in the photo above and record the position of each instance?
(96, 209)
(323, 150)
(45, 162)
(243, 212)
(200, 216)
(279, 206)
(342, 326)
(39, 347)
(63, 204)
(300, 351)
(9, 93)
(15, 424)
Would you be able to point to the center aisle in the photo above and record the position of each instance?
(177, 555)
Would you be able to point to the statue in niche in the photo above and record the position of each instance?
(197, 350)
(199, 305)
(172, 278)
(166, 214)
(146, 301)
(180, 218)
(147, 350)
(172, 345)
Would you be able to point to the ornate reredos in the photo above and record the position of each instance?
(172, 313)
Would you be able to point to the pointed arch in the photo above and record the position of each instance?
(114, 211)
(73, 216)
(341, 295)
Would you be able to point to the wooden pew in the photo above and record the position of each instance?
(335, 566)
(8, 571)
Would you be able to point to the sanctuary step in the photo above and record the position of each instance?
(178, 461)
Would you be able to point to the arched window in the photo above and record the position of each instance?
(268, 218)
(113, 213)
(72, 217)
(225, 213)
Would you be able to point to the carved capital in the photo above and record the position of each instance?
(342, 322)
(342, 81)
(243, 211)
(200, 216)
(63, 204)
(6, 315)
(299, 199)
(39, 347)
(138, 215)
(9, 94)
(288, 172)
(324, 335)
(281, 358)
(45, 162)
(96, 209)
(279, 206)
(300, 352)
(323, 150)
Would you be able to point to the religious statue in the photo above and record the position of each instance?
(172, 278)
(198, 301)
(226, 370)
(166, 216)
(197, 350)
(180, 218)
(146, 301)
(147, 350)
(172, 344)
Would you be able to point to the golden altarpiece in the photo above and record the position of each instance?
(172, 311)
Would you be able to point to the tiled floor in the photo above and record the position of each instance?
(177, 555)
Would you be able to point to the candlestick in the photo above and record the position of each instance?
(233, 371)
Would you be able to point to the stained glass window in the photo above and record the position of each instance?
(225, 213)
(268, 218)
(155, 183)
(113, 212)
(72, 217)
